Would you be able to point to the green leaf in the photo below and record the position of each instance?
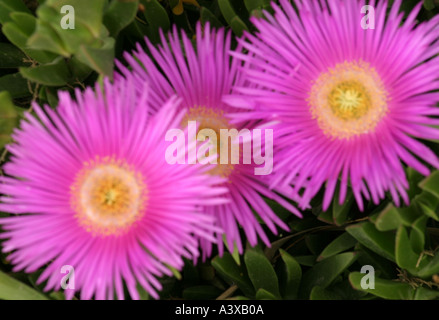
(235, 22)
(307, 261)
(50, 36)
(431, 184)
(46, 38)
(207, 16)
(319, 293)
(88, 13)
(429, 266)
(255, 4)
(294, 275)
(235, 251)
(8, 118)
(405, 257)
(119, 14)
(325, 272)
(100, 60)
(429, 4)
(143, 294)
(51, 74)
(392, 290)
(263, 294)
(326, 216)
(19, 31)
(15, 84)
(228, 268)
(11, 56)
(428, 204)
(417, 234)
(382, 265)
(340, 244)
(388, 219)
(261, 272)
(8, 6)
(157, 19)
(340, 212)
(12, 289)
(382, 243)
(201, 293)
(80, 71)
(238, 26)
(425, 294)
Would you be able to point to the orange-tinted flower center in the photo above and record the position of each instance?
(108, 196)
(348, 100)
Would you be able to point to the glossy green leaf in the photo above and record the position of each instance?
(227, 267)
(18, 32)
(392, 290)
(428, 204)
(423, 293)
(207, 16)
(11, 56)
(235, 252)
(12, 289)
(382, 243)
(319, 293)
(9, 6)
(263, 294)
(100, 60)
(238, 26)
(417, 234)
(325, 272)
(119, 14)
(156, 17)
(383, 266)
(261, 272)
(15, 84)
(430, 266)
(388, 219)
(25, 20)
(8, 118)
(405, 257)
(431, 184)
(340, 244)
(340, 212)
(255, 4)
(88, 13)
(201, 293)
(293, 276)
(429, 4)
(326, 216)
(46, 38)
(227, 10)
(143, 294)
(51, 74)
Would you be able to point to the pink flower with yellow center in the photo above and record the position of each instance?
(91, 189)
(352, 101)
(202, 78)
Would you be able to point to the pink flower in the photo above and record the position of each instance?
(352, 103)
(92, 190)
(203, 78)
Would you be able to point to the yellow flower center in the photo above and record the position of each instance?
(208, 118)
(348, 100)
(108, 196)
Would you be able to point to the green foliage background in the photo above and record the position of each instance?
(320, 258)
